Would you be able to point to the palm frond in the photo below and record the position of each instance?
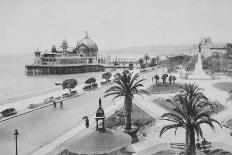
(168, 127)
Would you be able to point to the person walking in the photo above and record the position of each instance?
(54, 104)
(61, 105)
(87, 122)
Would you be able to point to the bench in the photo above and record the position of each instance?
(204, 145)
(178, 146)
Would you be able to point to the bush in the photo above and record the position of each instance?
(32, 106)
(9, 112)
(87, 87)
(94, 85)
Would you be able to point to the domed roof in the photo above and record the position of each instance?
(88, 42)
(94, 142)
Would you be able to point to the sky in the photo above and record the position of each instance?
(29, 24)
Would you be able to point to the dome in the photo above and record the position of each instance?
(94, 142)
(88, 42)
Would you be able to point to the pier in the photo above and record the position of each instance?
(61, 69)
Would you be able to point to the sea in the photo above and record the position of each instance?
(15, 85)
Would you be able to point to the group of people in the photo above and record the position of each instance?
(61, 105)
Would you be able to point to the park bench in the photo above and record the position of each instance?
(180, 146)
(205, 145)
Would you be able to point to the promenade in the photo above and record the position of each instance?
(41, 127)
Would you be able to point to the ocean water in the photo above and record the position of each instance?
(14, 84)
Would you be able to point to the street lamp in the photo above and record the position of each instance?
(16, 138)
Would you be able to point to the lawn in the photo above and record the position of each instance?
(224, 86)
(217, 107)
(161, 88)
(140, 119)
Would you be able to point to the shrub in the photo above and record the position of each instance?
(94, 85)
(87, 87)
(32, 106)
(9, 112)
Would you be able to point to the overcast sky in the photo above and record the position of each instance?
(29, 24)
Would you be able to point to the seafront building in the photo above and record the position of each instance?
(68, 60)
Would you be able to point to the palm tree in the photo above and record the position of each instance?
(156, 79)
(127, 86)
(146, 57)
(173, 79)
(189, 112)
(141, 63)
(170, 80)
(164, 77)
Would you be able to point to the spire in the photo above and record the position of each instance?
(100, 103)
(86, 35)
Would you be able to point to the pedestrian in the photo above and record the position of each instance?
(54, 104)
(61, 105)
(151, 79)
(87, 122)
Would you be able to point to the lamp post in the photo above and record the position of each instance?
(16, 138)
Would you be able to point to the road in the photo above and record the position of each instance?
(39, 128)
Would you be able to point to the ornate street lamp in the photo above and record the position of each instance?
(100, 118)
(16, 138)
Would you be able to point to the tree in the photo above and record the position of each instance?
(68, 84)
(126, 86)
(156, 79)
(91, 81)
(173, 79)
(153, 62)
(228, 50)
(107, 76)
(170, 80)
(164, 77)
(189, 112)
(141, 62)
(146, 57)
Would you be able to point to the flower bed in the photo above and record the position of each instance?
(161, 88)
(215, 106)
(140, 119)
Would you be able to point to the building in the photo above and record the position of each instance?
(68, 60)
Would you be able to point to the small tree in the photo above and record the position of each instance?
(91, 81)
(146, 57)
(153, 62)
(170, 80)
(173, 79)
(156, 79)
(164, 77)
(141, 63)
(107, 76)
(68, 84)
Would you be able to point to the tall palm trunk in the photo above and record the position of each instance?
(190, 141)
(128, 107)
